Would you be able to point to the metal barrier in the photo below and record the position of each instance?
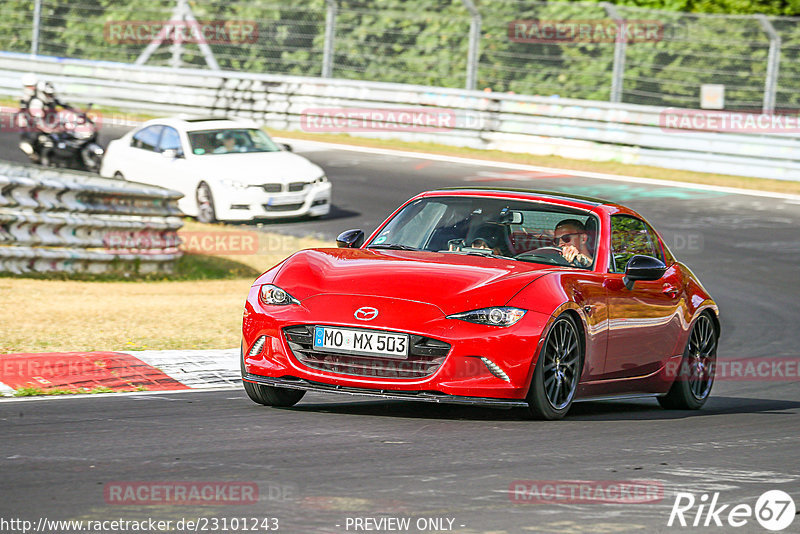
(578, 129)
(58, 221)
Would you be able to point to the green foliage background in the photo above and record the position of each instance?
(425, 42)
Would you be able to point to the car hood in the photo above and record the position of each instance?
(452, 282)
(256, 168)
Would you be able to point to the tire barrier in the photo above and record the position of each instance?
(65, 221)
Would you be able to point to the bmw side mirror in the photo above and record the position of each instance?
(350, 239)
(641, 267)
(171, 153)
(287, 147)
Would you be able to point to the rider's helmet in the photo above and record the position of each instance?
(46, 92)
(29, 84)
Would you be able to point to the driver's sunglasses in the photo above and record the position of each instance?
(566, 238)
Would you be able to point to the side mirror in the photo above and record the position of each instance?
(171, 153)
(287, 147)
(641, 267)
(350, 239)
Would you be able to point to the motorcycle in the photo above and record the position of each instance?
(65, 138)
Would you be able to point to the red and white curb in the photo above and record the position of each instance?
(155, 370)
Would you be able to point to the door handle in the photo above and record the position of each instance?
(670, 290)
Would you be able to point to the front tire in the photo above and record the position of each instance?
(692, 386)
(206, 213)
(269, 395)
(558, 371)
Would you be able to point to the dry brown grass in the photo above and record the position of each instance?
(67, 315)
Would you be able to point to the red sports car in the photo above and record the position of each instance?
(496, 297)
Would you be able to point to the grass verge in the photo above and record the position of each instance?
(199, 308)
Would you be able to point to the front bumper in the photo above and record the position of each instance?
(422, 396)
(254, 203)
(461, 374)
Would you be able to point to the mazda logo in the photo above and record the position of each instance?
(366, 313)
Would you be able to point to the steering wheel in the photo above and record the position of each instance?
(548, 254)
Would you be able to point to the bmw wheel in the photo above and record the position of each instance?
(205, 204)
(557, 372)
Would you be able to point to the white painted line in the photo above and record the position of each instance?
(536, 168)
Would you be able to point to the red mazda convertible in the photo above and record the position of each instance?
(494, 297)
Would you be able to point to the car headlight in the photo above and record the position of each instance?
(275, 296)
(233, 184)
(321, 179)
(498, 316)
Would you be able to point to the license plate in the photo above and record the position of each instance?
(279, 201)
(366, 342)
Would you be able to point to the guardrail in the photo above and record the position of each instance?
(59, 221)
(579, 129)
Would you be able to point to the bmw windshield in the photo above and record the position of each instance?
(520, 230)
(230, 141)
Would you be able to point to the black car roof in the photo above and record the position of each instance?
(588, 201)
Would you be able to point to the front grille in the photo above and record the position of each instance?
(283, 207)
(272, 188)
(297, 186)
(426, 355)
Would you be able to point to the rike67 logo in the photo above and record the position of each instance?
(774, 510)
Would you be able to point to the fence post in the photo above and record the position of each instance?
(473, 51)
(330, 39)
(773, 64)
(618, 72)
(37, 19)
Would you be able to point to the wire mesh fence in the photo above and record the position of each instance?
(596, 51)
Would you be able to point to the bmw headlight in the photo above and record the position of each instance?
(233, 184)
(498, 316)
(275, 296)
(321, 179)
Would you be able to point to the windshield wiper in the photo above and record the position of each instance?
(487, 253)
(392, 246)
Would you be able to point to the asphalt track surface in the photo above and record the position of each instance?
(333, 458)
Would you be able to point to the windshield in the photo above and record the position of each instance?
(230, 141)
(525, 231)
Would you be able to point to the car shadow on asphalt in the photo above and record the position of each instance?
(645, 409)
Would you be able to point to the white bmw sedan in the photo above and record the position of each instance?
(227, 170)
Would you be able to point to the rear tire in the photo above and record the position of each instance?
(270, 395)
(692, 386)
(558, 371)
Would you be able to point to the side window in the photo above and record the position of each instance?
(147, 139)
(630, 236)
(170, 140)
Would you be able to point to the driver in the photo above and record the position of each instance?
(571, 237)
(228, 144)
